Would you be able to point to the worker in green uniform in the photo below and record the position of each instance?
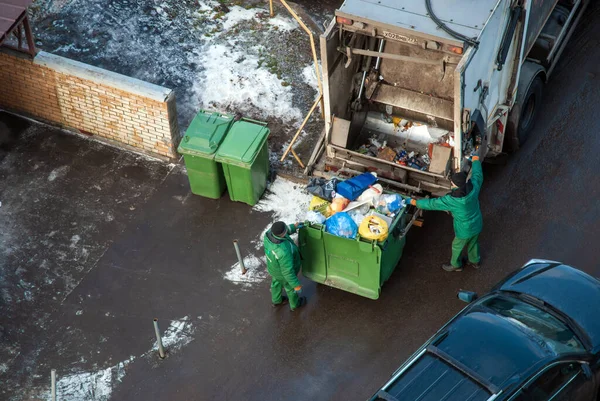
(283, 264)
(463, 203)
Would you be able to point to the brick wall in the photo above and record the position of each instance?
(122, 110)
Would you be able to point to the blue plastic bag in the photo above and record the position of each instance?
(352, 188)
(389, 204)
(342, 225)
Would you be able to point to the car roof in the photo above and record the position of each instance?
(432, 379)
(472, 358)
(491, 345)
(570, 291)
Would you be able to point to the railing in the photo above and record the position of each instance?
(319, 83)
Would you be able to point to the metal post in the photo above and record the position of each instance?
(239, 256)
(161, 350)
(53, 384)
(271, 5)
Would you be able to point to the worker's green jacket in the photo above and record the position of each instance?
(283, 257)
(468, 221)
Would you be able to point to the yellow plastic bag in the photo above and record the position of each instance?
(373, 228)
(319, 205)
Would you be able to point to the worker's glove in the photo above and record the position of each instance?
(411, 201)
(299, 225)
(298, 290)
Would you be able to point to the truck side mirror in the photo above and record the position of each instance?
(467, 296)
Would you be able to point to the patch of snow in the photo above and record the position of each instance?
(233, 80)
(90, 386)
(283, 23)
(236, 15)
(179, 333)
(79, 312)
(286, 200)
(207, 5)
(256, 272)
(58, 172)
(74, 241)
(3, 368)
(99, 385)
(309, 74)
(70, 48)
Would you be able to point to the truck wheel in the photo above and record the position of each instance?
(529, 110)
(521, 120)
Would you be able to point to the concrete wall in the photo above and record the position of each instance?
(122, 110)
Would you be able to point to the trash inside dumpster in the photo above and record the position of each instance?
(358, 244)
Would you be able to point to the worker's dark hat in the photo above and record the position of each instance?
(459, 179)
(279, 229)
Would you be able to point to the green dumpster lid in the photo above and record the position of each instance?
(243, 142)
(205, 133)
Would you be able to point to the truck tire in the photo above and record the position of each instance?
(521, 119)
(525, 112)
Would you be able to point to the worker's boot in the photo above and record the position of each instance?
(284, 301)
(301, 303)
(474, 265)
(449, 268)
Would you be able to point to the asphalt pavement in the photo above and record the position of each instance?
(167, 255)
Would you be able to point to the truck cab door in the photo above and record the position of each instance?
(485, 85)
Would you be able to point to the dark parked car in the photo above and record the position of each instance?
(534, 337)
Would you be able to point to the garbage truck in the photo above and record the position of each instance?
(412, 87)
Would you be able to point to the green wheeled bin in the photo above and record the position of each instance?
(199, 147)
(244, 155)
(355, 265)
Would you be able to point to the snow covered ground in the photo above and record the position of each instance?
(98, 385)
(215, 54)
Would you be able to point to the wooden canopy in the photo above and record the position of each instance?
(14, 21)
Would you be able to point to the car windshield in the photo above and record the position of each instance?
(554, 333)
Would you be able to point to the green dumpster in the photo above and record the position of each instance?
(244, 155)
(199, 146)
(355, 265)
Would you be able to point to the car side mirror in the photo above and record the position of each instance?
(587, 371)
(467, 296)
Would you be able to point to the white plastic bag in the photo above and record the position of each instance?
(314, 217)
(357, 216)
(371, 195)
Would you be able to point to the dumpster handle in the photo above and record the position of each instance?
(264, 124)
(417, 214)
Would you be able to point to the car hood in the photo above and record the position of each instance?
(571, 291)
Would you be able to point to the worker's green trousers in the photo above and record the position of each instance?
(472, 245)
(276, 286)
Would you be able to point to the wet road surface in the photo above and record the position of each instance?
(168, 257)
